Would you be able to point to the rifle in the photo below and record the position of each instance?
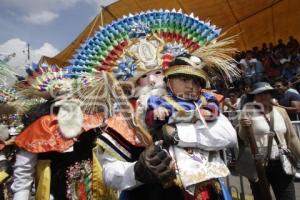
(259, 165)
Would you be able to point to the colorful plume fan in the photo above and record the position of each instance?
(46, 77)
(109, 46)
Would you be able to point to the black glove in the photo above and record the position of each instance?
(169, 138)
(153, 166)
(163, 133)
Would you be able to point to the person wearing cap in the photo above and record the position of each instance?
(257, 115)
(183, 114)
(131, 164)
(184, 83)
(126, 159)
(145, 170)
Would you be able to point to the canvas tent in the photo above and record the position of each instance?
(256, 21)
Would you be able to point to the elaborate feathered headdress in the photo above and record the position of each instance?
(213, 58)
(137, 44)
(45, 81)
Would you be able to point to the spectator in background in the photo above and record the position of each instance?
(264, 48)
(270, 58)
(246, 96)
(272, 67)
(287, 99)
(291, 89)
(293, 42)
(271, 46)
(252, 116)
(295, 60)
(295, 83)
(252, 68)
(232, 102)
(231, 106)
(280, 44)
(288, 71)
(255, 52)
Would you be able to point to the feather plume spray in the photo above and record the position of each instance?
(104, 94)
(17, 101)
(217, 56)
(6, 72)
(24, 105)
(34, 93)
(6, 109)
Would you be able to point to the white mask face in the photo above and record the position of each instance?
(151, 78)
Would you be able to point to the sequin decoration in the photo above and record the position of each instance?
(126, 69)
(79, 181)
(175, 49)
(139, 29)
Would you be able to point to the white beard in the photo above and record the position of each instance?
(143, 94)
(70, 118)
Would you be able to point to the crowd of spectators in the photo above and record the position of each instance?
(267, 63)
(271, 61)
(277, 64)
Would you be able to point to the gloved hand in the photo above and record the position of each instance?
(154, 166)
(169, 135)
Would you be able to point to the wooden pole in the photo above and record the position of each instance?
(259, 165)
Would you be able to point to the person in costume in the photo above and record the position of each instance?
(8, 130)
(123, 149)
(185, 119)
(130, 161)
(56, 144)
(10, 126)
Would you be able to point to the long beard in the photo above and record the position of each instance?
(143, 93)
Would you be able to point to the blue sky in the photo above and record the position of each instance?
(47, 25)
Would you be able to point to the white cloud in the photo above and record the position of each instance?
(39, 12)
(46, 50)
(99, 3)
(40, 18)
(30, 6)
(18, 46)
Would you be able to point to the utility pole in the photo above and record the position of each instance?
(28, 51)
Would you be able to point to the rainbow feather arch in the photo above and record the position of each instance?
(134, 41)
